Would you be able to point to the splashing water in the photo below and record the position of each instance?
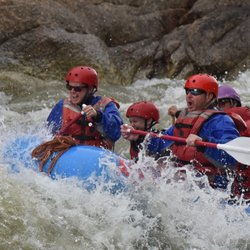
(157, 212)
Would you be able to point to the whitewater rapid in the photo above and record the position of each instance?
(156, 213)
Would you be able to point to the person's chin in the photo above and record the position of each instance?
(191, 108)
(75, 102)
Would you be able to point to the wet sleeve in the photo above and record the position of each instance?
(110, 122)
(158, 145)
(219, 129)
(54, 120)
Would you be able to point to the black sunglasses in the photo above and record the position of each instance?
(195, 91)
(224, 101)
(76, 88)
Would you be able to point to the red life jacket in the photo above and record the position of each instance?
(191, 123)
(241, 118)
(133, 153)
(85, 131)
(241, 183)
(135, 147)
(244, 112)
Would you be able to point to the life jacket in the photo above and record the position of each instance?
(241, 183)
(135, 147)
(191, 123)
(241, 118)
(85, 131)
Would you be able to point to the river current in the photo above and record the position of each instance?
(157, 213)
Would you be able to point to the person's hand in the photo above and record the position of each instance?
(89, 111)
(172, 110)
(126, 134)
(191, 139)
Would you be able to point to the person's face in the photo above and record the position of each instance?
(225, 103)
(197, 99)
(76, 92)
(137, 122)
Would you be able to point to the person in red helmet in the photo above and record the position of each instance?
(229, 101)
(142, 115)
(201, 120)
(91, 120)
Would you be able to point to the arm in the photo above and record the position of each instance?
(157, 145)
(174, 111)
(127, 135)
(109, 121)
(219, 129)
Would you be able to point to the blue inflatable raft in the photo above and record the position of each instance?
(89, 164)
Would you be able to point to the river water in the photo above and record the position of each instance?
(157, 213)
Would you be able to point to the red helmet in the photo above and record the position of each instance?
(204, 82)
(84, 75)
(144, 109)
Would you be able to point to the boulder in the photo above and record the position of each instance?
(125, 40)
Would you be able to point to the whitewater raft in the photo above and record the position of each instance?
(89, 164)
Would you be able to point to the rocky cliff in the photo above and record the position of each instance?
(125, 39)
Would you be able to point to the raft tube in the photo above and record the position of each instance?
(89, 164)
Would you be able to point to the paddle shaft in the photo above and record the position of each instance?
(238, 148)
(73, 121)
(173, 138)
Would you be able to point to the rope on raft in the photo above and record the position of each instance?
(58, 144)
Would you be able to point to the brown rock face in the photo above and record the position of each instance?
(125, 39)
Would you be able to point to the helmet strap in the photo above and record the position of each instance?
(93, 91)
(88, 96)
(211, 104)
(146, 127)
(235, 103)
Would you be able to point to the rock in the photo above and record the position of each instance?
(125, 41)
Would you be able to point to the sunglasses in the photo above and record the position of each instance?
(222, 102)
(76, 88)
(195, 92)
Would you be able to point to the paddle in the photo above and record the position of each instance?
(72, 121)
(239, 148)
